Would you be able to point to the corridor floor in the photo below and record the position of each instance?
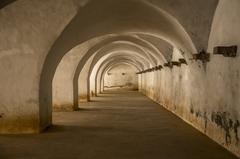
(116, 125)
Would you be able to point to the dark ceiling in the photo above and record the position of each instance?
(3, 3)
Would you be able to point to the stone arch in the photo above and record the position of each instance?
(79, 31)
(94, 67)
(100, 71)
(95, 24)
(115, 38)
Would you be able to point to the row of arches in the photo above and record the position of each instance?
(58, 53)
(49, 31)
(126, 36)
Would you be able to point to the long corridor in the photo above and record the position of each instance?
(116, 125)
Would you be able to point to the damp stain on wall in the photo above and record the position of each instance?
(224, 121)
(203, 115)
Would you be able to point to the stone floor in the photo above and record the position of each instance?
(117, 125)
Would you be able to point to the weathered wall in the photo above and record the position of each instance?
(62, 81)
(28, 29)
(83, 82)
(206, 95)
(62, 85)
(121, 76)
(223, 76)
